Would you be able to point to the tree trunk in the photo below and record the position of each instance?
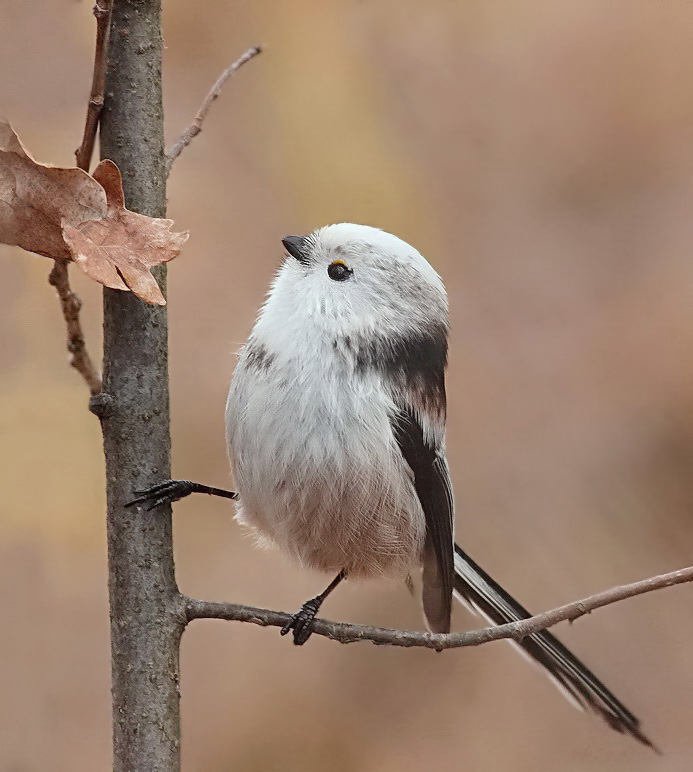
(147, 614)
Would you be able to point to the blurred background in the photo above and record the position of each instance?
(540, 154)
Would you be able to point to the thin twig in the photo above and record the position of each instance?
(59, 275)
(347, 633)
(196, 126)
(71, 305)
(98, 84)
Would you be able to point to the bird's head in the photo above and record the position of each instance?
(355, 280)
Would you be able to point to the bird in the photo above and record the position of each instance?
(336, 438)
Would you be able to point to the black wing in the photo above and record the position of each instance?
(432, 483)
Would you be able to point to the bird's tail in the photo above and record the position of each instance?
(475, 588)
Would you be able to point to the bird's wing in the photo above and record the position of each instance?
(432, 484)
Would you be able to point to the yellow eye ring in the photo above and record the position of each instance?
(338, 270)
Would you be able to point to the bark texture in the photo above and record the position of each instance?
(147, 614)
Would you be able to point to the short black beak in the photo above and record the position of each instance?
(296, 246)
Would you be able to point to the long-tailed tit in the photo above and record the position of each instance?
(336, 436)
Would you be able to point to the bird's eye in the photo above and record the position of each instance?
(338, 271)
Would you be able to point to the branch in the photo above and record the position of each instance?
(196, 126)
(98, 84)
(347, 633)
(71, 305)
(59, 275)
(146, 609)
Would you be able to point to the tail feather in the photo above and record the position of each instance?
(474, 587)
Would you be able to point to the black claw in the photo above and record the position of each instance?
(165, 492)
(145, 492)
(157, 502)
(302, 622)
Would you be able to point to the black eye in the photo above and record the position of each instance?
(337, 271)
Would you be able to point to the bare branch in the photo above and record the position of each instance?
(146, 608)
(71, 305)
(59, 275)
(98, 84)
(196, 126)
(347, 633)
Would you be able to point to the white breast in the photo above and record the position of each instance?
(315, 462)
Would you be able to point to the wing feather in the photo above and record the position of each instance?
(432, 484)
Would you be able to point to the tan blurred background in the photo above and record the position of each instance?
(541, 155)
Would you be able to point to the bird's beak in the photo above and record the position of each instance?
(296, 246)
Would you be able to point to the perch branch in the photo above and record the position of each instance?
(196, 126)
(347, 633)
(59, 276)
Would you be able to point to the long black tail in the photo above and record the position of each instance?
(475, 587)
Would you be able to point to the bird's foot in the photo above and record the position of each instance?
(302, 622)
(165, 492)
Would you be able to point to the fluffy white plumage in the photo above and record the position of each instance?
(336, 422)
(316, 464)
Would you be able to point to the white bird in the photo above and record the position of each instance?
(336, 437)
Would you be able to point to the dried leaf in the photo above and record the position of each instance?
(35, 199)
(124, 242)
(69, 214)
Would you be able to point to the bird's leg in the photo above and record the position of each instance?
(168, 491)
(302, 621)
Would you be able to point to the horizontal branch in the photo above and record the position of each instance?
(347, 633)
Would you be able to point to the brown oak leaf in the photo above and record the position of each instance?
(69, 214)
